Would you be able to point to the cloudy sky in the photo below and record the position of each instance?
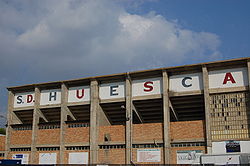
(50, 40)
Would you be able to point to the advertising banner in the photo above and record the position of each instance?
(78, 158)
(112, 90)
(24, 99)
(79, 94)
(52, 96)
(148, 155)
(186, 82)
(147, 87)
(23, 157)
(228, 78)
(189, 156)
(47, 158)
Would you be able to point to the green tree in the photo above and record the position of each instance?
(2, 131)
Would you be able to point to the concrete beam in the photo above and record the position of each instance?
(166, 117)
(102, 118)
(94, 106)
(15, 119)
(226, 90)
(129, 120)
(36, 114)
(40, 115)
(147, 97)
(68, 112)
(207, 109)
(173, 110)
(189, 93)
(137, 113)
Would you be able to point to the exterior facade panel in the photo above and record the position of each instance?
(161, 116)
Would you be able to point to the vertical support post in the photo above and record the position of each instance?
(129, 120)
(207, 109)
(166, 117)
(35, 125)
(94, 106)
(248, 71)
(9, 122)
(64, 99)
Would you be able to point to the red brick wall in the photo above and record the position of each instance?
(116, 132)
(76, 135)
(134, 156)
(173, 159)
(2, 143)
(66, 154)
(48, 136)
(187, 130)
(147, 132)
(20, 137)
(111, 156)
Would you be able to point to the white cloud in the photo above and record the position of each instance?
(51, 40)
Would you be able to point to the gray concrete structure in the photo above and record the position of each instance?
(167, 107)
(207, 108)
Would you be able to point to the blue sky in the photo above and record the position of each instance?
(229, 19)
(47, 40)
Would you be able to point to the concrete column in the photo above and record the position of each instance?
(129, 120)
(166, 117)
(9, 122)
(35, 125)
(94, 106)
(248, 69)
(207, 109)
(64, 99)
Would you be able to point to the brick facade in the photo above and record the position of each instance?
(2, 142)
(21, 137)
(48, 136)
(77, 135)
(116, 133)
(187, 130)
(111, 156)
(148, 132)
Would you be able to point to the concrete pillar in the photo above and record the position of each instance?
(166, 117)
(129, 120)
(94, 106)
(9, 122)
(64, 99)
(207, 109)
(248, 69)
(35, 125)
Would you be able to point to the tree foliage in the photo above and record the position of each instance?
(2, 131)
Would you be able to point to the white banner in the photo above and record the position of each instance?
(79, 94)
(228, 78)
(147, 87)
(186, 82)
(47, 158)
(52, 96)
(112, 90)
(79, 158)
(148, 155)
(189, 156)
(24, 99)
(23, 157)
